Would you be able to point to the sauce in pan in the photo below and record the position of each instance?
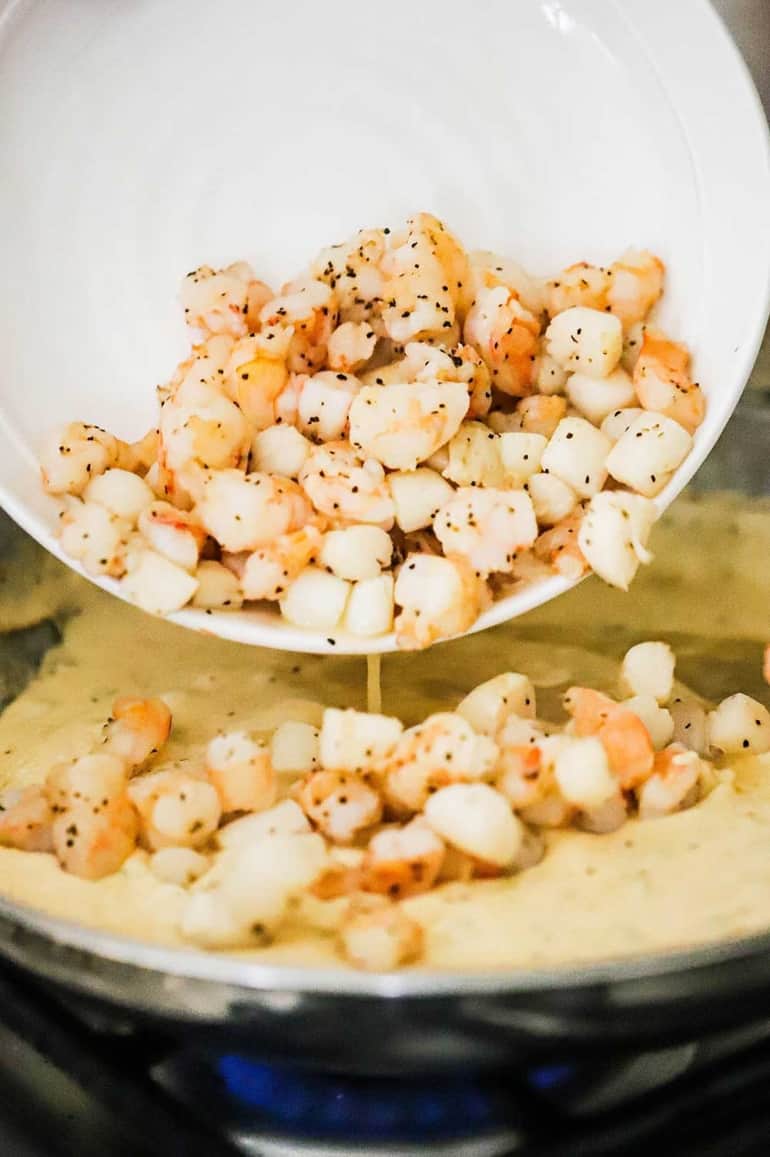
(701, 875)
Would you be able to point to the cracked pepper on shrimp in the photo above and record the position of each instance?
(398, 434)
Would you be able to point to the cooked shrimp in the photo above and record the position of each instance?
(72, 456)
(309, 307)
(323, 405)
(95, 828)
(580, 284)
(635, 284)
(352, 270)
(345, 486)
(521, 775)
(489, 270)
(26, 820)
(541, 414)
(268, 572)
(247, 511)
(240, 770)
(200, 429)
(340, 804)
(224, 301)
(87, 780)
(424, 279)
(255, 374)
(95, 537)
(175, 534)
(624, 737)
(673, 784)
(439, 597)
(486, 527)
(628, 288)
(95, 842)
(350, 346)
(506, 336)
(402, 862)
(137, 730)
(403, 424)
(663, 383)
(176, 808)
(425, 363)
(559, 547)
(443, 749)
(379, 937)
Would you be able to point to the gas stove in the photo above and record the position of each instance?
(72, 1082)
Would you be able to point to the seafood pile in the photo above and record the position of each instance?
(393, 440)
(356, 814)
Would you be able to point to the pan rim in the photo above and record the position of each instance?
(222, 968)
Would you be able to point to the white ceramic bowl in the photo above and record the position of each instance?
(138, 140)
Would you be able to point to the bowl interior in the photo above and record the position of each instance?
(138, 141)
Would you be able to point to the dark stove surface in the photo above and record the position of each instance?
(71, 1086)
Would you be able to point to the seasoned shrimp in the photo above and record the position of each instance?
(95, 828)
(137, 730)
(488, 270)
(425, 275)
(559, 547)
(439, 597)
(403, 424)
(241, 772)
(673, 784)
(462, 363)
(72, 456)
(635, 284)
(176, 808)
(352, 270)
(541, 414)
(323, 405)
(521, 775)
(628, 288)
(175, 534)
(200, 428)
(95, 537)
(624, 737)
(350, 346)
(506, 335)
(486, 527)
(269, 571)
(663, 383)
(95, 842)
(402, 862)
(443, 749)
(26, 820)
(247, 511)
(346, 487)
(309, 307)
(379, 937)
(255, 374)
(340, 804)
(224, 301)
(580, 284)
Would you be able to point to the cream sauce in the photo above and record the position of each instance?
(694, 877)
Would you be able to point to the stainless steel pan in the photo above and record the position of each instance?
(413, 1020)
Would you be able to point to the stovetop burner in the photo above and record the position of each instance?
(70, 1085)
